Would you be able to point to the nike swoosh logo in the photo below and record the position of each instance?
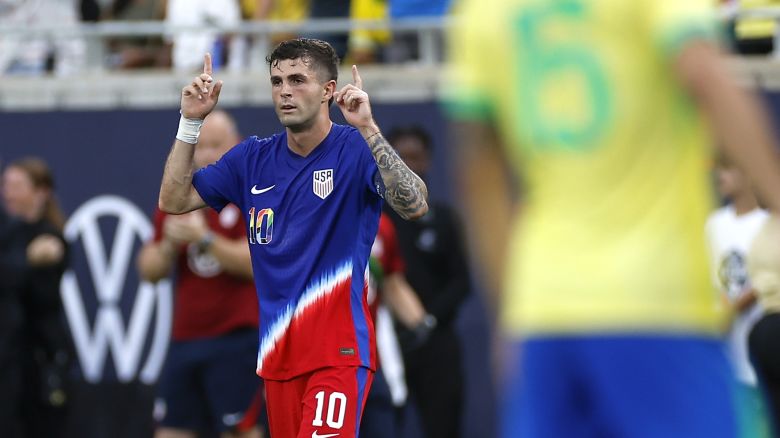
(316, 435)
(256, 191)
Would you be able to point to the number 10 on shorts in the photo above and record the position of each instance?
(333, 419)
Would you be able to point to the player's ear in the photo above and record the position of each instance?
(328, 90)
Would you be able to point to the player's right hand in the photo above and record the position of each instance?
(200, 97)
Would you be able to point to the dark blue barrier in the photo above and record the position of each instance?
(107, 166)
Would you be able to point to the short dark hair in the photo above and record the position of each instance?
(414, 131)
(317, 53)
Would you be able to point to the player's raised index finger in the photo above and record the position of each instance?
(356, 77)
(207, 64)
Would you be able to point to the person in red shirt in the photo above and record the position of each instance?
(389, 292)
(208, 383)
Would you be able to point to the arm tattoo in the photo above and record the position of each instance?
(404, 190)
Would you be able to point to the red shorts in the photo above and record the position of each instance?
(323, 403)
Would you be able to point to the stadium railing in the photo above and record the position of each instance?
(99, 87)
(96, 35)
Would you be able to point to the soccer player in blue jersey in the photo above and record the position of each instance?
(311, 196)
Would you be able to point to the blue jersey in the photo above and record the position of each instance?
(310, 225)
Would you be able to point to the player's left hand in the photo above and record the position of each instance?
(353, 102)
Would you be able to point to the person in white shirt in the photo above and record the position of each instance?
(24, 55)
(189, 46)
(730, 232)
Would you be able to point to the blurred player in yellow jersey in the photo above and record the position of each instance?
(605, 109)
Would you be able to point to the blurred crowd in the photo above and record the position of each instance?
(22, 55)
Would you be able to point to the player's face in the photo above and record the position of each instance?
(298, 93)
(20, 196)
(414, 154)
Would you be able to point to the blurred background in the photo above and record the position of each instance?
(92, 87)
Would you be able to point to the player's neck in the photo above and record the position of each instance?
(303, 142)
(744, 203)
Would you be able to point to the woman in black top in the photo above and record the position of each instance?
(33, 257)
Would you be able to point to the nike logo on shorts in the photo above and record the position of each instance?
(328, 435)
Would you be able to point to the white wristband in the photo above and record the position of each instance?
(189, 130)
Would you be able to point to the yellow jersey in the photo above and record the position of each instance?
(282, 10)
(613, 156)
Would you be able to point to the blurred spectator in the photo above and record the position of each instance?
(273, 10)
(285, 10)
(137, 52)
(389, 290)
(730, 231)
(366, 46)
(331, 9)
(405, 46)
(11, 320)
(189, 46)
(90, 10)
(418, 8)
(207, 383)
(24, 55)
(764, 269)
(437, 270)
(754, 36)
(36, 255)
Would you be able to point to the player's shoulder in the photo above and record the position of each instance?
(347, 132)
(258, 143)
(349, 138)
(255, 146)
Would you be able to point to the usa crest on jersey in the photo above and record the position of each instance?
(322, 181)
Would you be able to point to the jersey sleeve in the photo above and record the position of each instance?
(371, 178)
(220, 183)
(673, 24)
(468, 94)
